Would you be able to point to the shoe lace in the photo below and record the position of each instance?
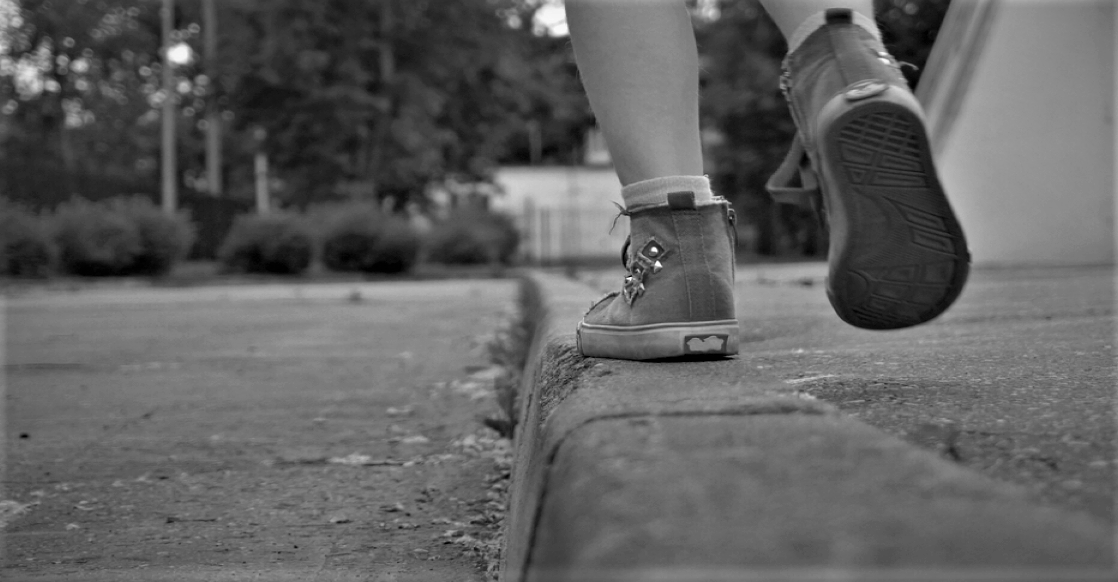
(621, 211)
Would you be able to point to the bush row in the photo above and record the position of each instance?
(132, 236)
(359, 237)
(121, 236)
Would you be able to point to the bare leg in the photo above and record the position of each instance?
(640, 68)
(789, 14)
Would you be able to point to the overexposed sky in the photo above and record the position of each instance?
(552, 17)
(8, 10)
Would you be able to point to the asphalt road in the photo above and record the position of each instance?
(279, 432)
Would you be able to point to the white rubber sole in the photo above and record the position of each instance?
(658, 340)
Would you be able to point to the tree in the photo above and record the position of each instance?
(76, 81)
(359, 98)
(745, 118)
(909, 29)
(381, 98)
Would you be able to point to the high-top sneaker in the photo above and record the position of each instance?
(861, 157)
(678, 297)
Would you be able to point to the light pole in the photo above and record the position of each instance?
(213, 113)
(169, 166)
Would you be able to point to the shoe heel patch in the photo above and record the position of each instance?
(681, 200)
(839, 15)
(707, 343)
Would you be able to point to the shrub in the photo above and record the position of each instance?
(120, 236)
(164, 240)
(358, 237)
(473, 236)
(397, 247)
(277, 243)
(94, 240)
(26, 247)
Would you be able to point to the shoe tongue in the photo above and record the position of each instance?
(681, 200)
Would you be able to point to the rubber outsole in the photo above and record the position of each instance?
(898, 255)
(658, 341)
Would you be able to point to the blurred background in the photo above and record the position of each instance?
(359, 135)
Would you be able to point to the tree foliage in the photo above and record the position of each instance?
(747, 127)
(909, 29)
(357, 98)
(78, 80)
(363, 99)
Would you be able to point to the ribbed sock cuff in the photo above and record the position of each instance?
(655, 192)
(815, 21)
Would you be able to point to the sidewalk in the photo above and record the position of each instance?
(785, 463)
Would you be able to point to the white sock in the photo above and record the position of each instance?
(817, 20)
(655, 192)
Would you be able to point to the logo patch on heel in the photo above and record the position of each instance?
(865, 89)
(714, 343)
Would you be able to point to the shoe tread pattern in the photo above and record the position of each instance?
(906, 260)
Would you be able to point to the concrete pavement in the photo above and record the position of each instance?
(785, 463)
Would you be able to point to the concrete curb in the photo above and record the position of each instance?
(680, 471)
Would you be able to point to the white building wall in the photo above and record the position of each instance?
(563, 212)
(1026, 137)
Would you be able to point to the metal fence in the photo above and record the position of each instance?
(563, 233)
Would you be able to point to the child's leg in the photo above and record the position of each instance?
(638, 62)
(639, 65)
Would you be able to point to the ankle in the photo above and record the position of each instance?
(654, 192)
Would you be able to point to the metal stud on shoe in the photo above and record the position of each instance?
(632, 289)
(643, 263)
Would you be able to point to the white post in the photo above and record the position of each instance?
(532, 230)
(263, 203)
